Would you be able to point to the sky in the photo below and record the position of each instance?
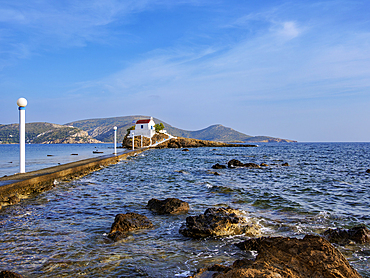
(297, 70)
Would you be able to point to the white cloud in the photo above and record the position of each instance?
(54, 24)
(256, 68)
(289, 30)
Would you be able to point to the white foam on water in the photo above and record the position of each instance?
(183, 274)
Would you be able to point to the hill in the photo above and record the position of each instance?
(101, 130)
(45, 133)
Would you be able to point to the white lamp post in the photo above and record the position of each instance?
(115, 140)
(22, 103)
(133, 141)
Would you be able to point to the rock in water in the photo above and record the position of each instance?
(310, 257)
(359, 234)
(124, 223)
(168, 206)
(117, 236)
(236, 163)
(251, 165)
(218, 222)
(218, 166)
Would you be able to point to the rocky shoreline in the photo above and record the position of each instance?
(179, 142)
(312, 256)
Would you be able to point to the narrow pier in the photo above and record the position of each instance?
(19, 186)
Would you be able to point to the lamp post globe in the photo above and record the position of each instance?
(22, 102)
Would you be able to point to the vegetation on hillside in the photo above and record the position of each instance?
(41, 133)
(159, 127)
(102, 130)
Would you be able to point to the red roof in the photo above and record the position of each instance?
(143, 121)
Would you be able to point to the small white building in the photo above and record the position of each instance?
(144, 127)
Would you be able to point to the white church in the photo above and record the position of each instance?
(144, 127)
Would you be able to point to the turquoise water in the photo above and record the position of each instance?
(63, 232)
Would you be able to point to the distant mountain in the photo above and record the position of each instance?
(45, 133)
(101, 130)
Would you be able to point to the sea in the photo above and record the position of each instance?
(40, 156)
(63, 232)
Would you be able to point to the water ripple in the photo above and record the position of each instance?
(62, 232)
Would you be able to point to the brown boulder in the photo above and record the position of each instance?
(359, 234)
(168, 206)
(368, 171)
(236, 163)
(285, 164)
(218, 166)
(218, 222)
(118, 235)
(124, 223)
(310, 257)
(251, 165)
(214, 173)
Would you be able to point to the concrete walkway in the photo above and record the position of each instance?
(164, 140)
(16, 187)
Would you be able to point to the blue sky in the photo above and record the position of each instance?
(290, 69)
